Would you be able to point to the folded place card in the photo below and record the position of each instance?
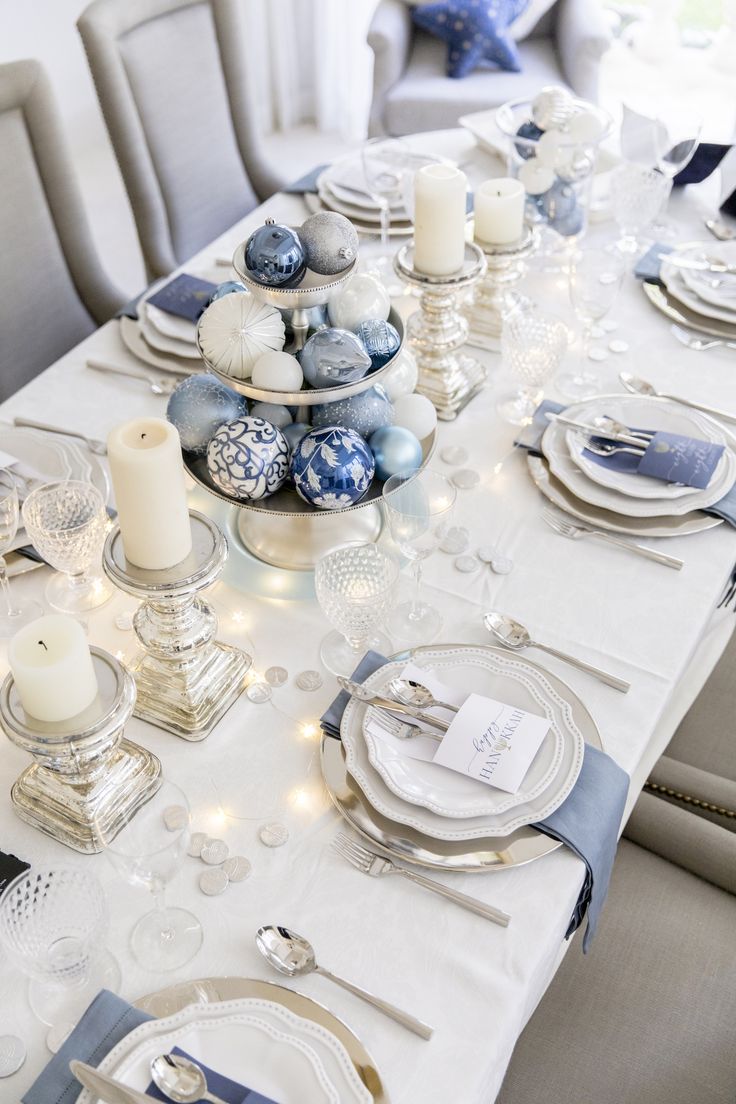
(492, 742)
(185, 296)
(671, 457)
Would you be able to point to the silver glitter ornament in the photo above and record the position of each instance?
(330, 242)
(213, 882)
(365, 413)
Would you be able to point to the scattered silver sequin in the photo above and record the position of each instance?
(608, 326)
(175, 817)
(454, 454)
(196, 843)
(12, 1054)
(597, 331)
(497, 562)
(124, 621)
(213, 882)
(597, 353)
(455, 540)
(273, 834)
(237, 868)
(258, 692)
(465, 478)
(309, 680)
(466, 564)
(618, 345)
(276, 676)
(214, 852)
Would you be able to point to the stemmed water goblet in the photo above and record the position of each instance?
(385, 162)
(67, 524)
(532, 346)
(355, 587)
(595, 281)
(148, 851)
(419, 507)
(637, 194)
(13, 613)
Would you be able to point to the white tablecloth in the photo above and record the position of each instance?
(476, 983)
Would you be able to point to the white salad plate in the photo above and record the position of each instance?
(674, 280)
(170, 325)
(713, 287)
(164, 342)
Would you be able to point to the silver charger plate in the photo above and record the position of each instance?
(676, 311)
(165, 1002)
(409, 845)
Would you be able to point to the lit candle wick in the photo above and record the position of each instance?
(143, 436)
(43, 645)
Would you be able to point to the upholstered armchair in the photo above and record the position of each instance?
(412, 93)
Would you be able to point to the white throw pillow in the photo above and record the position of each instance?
(524, 24)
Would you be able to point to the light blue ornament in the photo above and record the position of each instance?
(331, 357)
(274, 255)
(294, 433)
(274, 413)
(199, 406)
(395, 450)
(227, 288)
(330, 242)
(332, 467)
(248, 458)
(380, 340)
(365, 413)
(558, 202)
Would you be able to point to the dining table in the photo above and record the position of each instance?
(475, 982)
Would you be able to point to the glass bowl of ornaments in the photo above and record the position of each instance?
(553, 149)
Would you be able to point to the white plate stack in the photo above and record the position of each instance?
(710, 296)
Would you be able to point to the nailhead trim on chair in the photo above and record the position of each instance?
(688, 800)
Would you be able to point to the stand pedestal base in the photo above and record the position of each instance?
(493, 298)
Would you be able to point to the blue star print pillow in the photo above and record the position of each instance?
(475, 31)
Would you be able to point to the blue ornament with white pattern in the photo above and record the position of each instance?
(227, 288)
(331, 357)
(274, 255)
(198, 406)
(380, 340)
(365, 413)
(248, 458)
(332, 468)
(475, 31)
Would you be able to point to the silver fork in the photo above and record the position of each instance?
(99, 448)
(402, 730)
(375, 865)
(574, 532)
(700, 344)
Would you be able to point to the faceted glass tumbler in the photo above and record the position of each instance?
(67, 524)
(355, 587)
(532, 346)
(637, 195)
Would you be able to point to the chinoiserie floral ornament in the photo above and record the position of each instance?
(330, 243)
(274, 255)
(331, 357)
(332, 468)
(248, 458)
(199, 406)
(234, 331)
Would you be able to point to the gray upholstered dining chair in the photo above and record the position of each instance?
(53, 290)
(646, 1017)
(171, 80)
(411, 92)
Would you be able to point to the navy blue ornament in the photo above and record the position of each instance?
(332, 468)
(531, 131)
(559, 202)
(227, 288)
(294, 433)
(199, 406)
(248, 458)
(380, 340)
(331, 357)
(274, 255)
(395, 450)
(330, 242)
(474, 31)
(365, 413)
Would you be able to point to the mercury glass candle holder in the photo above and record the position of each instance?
(495, 297)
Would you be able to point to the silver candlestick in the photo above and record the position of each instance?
(186, 679)
(86, 779)
(494, 297)
(437, 332)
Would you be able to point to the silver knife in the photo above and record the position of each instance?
(363, 694)
(107, 1088)
(718, 268)
(594, 431)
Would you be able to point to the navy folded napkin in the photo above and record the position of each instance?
(705, 160)
(185, 296)
(587, 821)
(229, 1091)
(306, 183)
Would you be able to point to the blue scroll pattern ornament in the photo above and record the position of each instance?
(248, 458)
(332, 468)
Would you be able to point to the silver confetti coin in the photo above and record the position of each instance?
(309, 680)
(196, 843)
(237, 868)
(455, 540)
(124, 621)
(466, 564)
(465, 478)
(214, 852)
(618, 345)
(12, 1055)
(485, 553)
(276, 676)
(258, 692)
(273, 834)
(454, 454)
(597, 353)
(502, 565)
(213, 882)
(175, 817)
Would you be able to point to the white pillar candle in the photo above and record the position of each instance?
(439, 220)
(52, 668)
(499, 211)
(150, 493)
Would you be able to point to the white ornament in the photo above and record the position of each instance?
(274, 413)
(236, 330)
(536, 178)
(415, 413)
(401, 378)
(552, 107)
(277, 372)
(547, 148)
(585, 126)
(362, 297)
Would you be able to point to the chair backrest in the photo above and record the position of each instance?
(53, 291)
(158, 66)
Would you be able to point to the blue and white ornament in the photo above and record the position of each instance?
(274, 255)
(365, 413)
(199, 406)
(531, 132)
(332, 468)
(331, 357)
(362, 297)
(395, 450)
(227, 288)
(330, 243)
(248, 458)
(294, 433)
(274, 413)
(380, 340)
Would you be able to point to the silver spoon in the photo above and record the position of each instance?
(695, 341)
(157, 386)
(413, 693)
(181, 1080)
(638, 386)
(612, 425)
(99, 448)
(514, 635)
(610, 448)
(293, 955)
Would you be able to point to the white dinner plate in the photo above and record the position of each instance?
(164, 342)
(723, 294)
(170, 324)
(673, 279)
(132, 339)
(54, 457)
(505, 677)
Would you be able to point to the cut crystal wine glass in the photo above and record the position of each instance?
(595, 281)
(355, 587)
(67, 525)
(13, 613)
(53, 925)
(532, 346)
(637, 194)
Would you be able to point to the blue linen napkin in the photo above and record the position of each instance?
(306, 183)
(649, 265)
(218, 1085)
(587, 821)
